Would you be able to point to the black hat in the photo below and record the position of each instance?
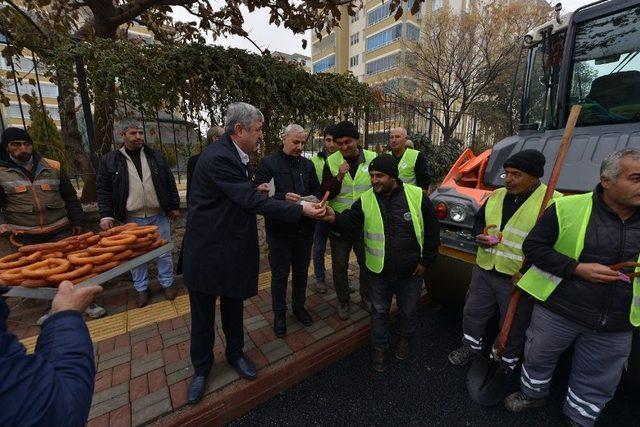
(328, 130)
(14, 134)
(345, 128)
(385, 163)
(528, 161)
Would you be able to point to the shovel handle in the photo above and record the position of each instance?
(551, 187)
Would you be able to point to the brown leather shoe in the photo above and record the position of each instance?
(170, 293)
(377, 360)
(143, 298)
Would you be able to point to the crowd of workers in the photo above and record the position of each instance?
(378, 207)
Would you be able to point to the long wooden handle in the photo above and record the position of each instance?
(551, 187)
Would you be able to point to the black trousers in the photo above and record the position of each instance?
(289, 254)
(203, 312)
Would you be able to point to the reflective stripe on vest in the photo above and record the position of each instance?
(506, 257)
(318, 163)
(374, 239)
(351, 188)
(407, 166)
(573, 214)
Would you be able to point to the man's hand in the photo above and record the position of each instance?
(264, 188)
(4, 228)
(344, 168)
(419, 271)
(329, 216)
(174, 214)
(597, 273)
(313, 210)
(106, 223)
(77, 230)
(484, 241)
(71, 298)
(292, 197)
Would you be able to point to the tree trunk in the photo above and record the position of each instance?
(105, 105)
(76, 153)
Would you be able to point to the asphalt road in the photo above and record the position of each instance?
(424, 390)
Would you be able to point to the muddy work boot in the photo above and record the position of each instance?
(461, 356)
(377, 360)
(518, 402)
(321, 287)
(94, 311)
(403, 348)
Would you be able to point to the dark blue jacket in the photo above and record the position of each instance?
(290, 175)
(54, 385)
(220, 246)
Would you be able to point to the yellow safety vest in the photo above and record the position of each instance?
(573, 214)
(506, 257)
(351, 188)
(407, 166)
(318, 163)
(374, 226)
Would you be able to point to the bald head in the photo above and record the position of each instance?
(397, 139)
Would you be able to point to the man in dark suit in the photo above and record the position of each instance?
(221, 254)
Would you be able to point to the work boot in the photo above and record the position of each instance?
(143, 298)
(377, 360)
(518, 402)
(94, 311)
(343, 310)
(170, 293)
(280, 324)
(461, 356)
(366, 304)
(403, 348)
(303, 316)
(321, 287)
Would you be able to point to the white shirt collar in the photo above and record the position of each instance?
(244, 157)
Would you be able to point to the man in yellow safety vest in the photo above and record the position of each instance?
(401, 238)
(346, 177)
(582, 298)
(512, 211)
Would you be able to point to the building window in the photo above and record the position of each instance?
(355, 17)
(413, 32)
(143, 38)
(383, 64)
(437, 4)
(378, 14)
(353, 61)
(384, 38)
(13, 111)
(324, 64)
(354, 38)
(20, 64)
(24, 87)
(327, 41)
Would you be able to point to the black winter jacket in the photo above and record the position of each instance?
(608, 240)
(402, 250)
(113, 184)
(290, 175)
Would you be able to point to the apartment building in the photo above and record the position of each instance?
(371, 45)
(30, 80)
(298, 58)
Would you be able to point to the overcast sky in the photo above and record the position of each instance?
(278, 38)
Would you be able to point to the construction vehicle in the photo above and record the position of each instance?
(590, 57)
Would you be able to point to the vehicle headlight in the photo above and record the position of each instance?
(458, 213)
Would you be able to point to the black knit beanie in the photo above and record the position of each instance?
(385, 163)
(528, 161)
(345, 128)
(14, 134)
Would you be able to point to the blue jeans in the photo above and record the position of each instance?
(407, 293)
(140, 274)
(319, 248)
